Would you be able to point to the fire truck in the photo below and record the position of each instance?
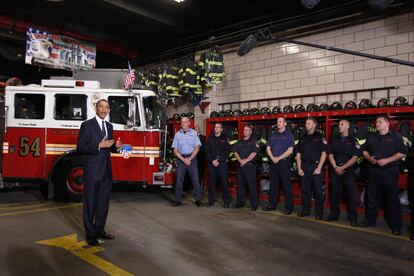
(42, 123)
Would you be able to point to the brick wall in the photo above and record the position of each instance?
(283, 69)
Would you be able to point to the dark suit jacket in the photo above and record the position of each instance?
(97, 162)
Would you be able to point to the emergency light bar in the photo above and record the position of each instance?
(71, 84)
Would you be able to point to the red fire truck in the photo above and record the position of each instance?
(42, 125)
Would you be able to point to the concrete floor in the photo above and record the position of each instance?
(153, 238)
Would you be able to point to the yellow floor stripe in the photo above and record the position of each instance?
(23, 206)
(40, 210)
(71, 244)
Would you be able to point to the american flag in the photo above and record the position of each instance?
(130, 78)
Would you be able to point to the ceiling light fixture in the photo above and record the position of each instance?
(179, 1)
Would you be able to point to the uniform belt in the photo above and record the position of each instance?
(340, 163)
(185, 155)
(311, 161)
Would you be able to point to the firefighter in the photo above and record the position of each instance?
(201, 155)
(343, 154)
(245, 151)
(186, 145)
(280, 148)
(217, 151)
(310, 157)
(384, 150)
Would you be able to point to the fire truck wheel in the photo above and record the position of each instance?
(69, 183)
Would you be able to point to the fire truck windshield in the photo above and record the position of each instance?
(155, 114)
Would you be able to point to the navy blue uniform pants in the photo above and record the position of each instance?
(343, 184)
(193, 172)
(246, 176)
(308, 182)
(96, 200)
(280, 174)
(383, 182)
(218, 173)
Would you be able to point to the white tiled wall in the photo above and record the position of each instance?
(284, 69)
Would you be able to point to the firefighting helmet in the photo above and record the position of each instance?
(312, 107)
(276, 110)
(323, 107)
(265, 111)
(229, 113)
(246, 112)
(214, 114)
(287, 109)
(254, 111)
(237, 113)
(383, 102)
(190, 115)
(335, 106)
(350, 105)
(222, 113)
(299, 108)
(365, 103)
(176, 116)
(400, 101)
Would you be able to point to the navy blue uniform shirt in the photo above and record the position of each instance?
(384, 146)
(311, 146)
(217, 148)
(343, 148)
(245, 147)
(279, 142)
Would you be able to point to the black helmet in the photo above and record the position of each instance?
(265, 111)
(287, 109)
(276, 110)
(335, 106)
(183, 115)
(350, 105)
(323, 107)
(237, 113)
(229, 113)
(254, 111)
(383, 102)
(190, 115)
(312, 107)
(299, 108)
(213, 114)
(222, 113)
(365, 103)
(400, 101)
(246, 112)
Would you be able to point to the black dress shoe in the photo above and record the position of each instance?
(198, 203)
(238, 206)
(412, 237)
(287, 212)
(226, 205)
(105, 236)
(269, 208)
(332, 218)
(303, 214)
(92, 242)
(253, 209)
(209, 204)
(176, 203)
(318, 217)
(396, 231)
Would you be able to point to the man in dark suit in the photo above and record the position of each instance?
(96, 142)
